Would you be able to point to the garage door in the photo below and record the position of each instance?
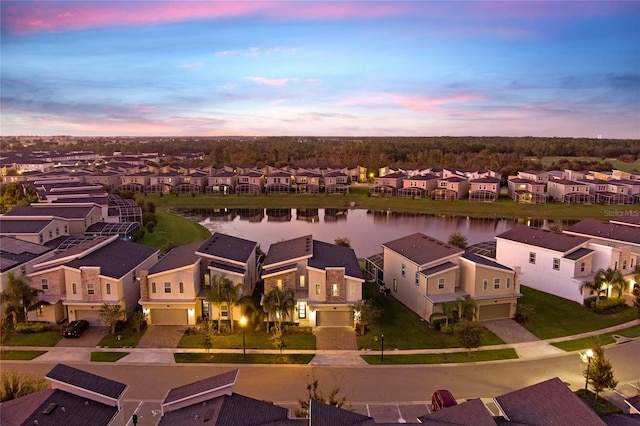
(334, 319)
(92, 316)
(169, 317)
(494, 311)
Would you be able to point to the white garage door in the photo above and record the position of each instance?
(169, 317)
(92, 316)
(494, 311)
(334, 319)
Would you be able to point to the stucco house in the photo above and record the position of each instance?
(388, 184)
(222, 182)
(451, 188)
(484, 189)
(418, 186)
(326, 279)
(526, 190)
(569, 191)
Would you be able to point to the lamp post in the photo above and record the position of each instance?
(243, 323)
(382, 348)
(589, 355)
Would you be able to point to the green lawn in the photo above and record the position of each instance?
(128, 338)
(240, 359)
(443, 358)
(254, 340)
(605, 339)
(46, 338)
(20, 355)
(615, 163)
(503, 208)
(558, 317)
(107, 356)
(403, 329)
(599, 405)
(174, 228)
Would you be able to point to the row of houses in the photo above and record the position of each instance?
(76, 395)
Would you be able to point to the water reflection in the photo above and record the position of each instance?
(366, 229)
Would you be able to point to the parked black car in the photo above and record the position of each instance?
(75, 328)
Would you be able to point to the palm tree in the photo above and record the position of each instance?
(465, 309)
(280, 302)
(447, 313)
(592, 286)
(19, 295)
(230, 294)
(613, 278)
(215, 294)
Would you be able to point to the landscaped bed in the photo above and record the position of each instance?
(442, 358)
(13, 355)
(253, 340)
(227, 358)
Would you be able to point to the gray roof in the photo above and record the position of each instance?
(543, 238)
(470, 413)
(289, 249)
(91, 382)
(328, 415)
(202, 386)
(628, 219)
(547, 403)
(422, 249)
(59, 211)
(14, 252)
(578, 254)
(227, 267)
(327, 255)
(178, 257)
(438, 268)
(228, 247)
(481, 260)
(115, 259)
(606, 230)
(427, 176)
(22, 226)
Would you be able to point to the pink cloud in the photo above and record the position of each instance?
(276, 82)
(415, 103)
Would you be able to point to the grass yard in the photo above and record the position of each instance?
(174, 228)
(442, 358)
(254, 340)
(107, 356)
(605, 339)
(558, 317)
(128, 338)
(599, 405)
(615, 163)
(12, 355)
(240, 359)
(403, 329)
(46, 338)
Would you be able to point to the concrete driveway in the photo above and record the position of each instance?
(161, 336)
(335, 338)
(91, 337)
(510, 331)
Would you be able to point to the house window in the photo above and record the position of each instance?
(90, 289)
(57, 231)
(624, 264)
(440, 283)
(335, 290)
(485, 285)
(40, 238)
(556, 264)
(167, 287)
(153, 287)
(302, 310)
(403, 269)
(532, 257)
(302, 283)
(66, 229)
(352, 290)
(615, 265)
(417, 278)
(496, 283)
(317, 289)
(181, 287)
(582, 266)
(395, 285)
(74, 288)
(224, 311)
(50, 234)
(40, 311)
(108, 285)
(45, 284)
(508, 282)
(279, 284)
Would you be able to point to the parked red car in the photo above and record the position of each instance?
(442, 398)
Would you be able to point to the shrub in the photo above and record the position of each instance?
(33, 327)
(611, 305)
(447, 329)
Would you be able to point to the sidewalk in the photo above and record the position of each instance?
(342, 358)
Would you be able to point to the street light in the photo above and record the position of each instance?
(243, 323)
(382, 348)
(589, 355)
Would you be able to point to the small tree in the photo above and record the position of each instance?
(14, 384)
(314, 392)
(524, 312)
(470, 334)
(278, 339)
(343, 241)
(138, 319)
(599, 372)
(111, 314)
(446, 313)
(456, 239)
(208, 331)
(364, 313)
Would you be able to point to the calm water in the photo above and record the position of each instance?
(367, 230)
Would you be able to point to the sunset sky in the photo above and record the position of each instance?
(364, 68)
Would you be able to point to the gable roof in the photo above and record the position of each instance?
(327, 255)
(87, 381)
(606, 230)
(14, 252)
(59, 211)
(422, 249)
(289, 249)
(470, 413)
(178, 257)
(321, 414)
(547, 403)
(481, 260)
(227, 247)
(211, 384)
(22, 226)
(116, 258)
(543, 238)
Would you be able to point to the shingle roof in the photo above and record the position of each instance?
(331, 255)
(66, 212)
(578, 254)
(289, 249)
(543, 238)
(115, 259)
(70, 410)
(547, 403)
(14, 252)
(177, 258)
(227, 267)
(606, 230)
(20, 226)
(223, 380)
(470, 413)
(327, 415)
(228, 247)
(439, 268)
(481, 260)
(82, 379)
(421, 249)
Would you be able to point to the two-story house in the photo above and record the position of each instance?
(336, 182)
(164, 183)
(387, 184)
(569, 191)
(278, 182)
(223, 182)
(526, 190)
(136, 182)
(326, 279)
(418, 186)
(74, 218)
(250, 182)
(307, 182)
(484, 189)
(193, 183)
(451, 188)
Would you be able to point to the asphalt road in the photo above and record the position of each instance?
(370, 384)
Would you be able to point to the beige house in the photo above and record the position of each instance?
(484, 189)
(569, 191)
(164, 183)
(223, 182)
(34, 230)
(136, 182)
(389, 184)
(451, 188)
(526, 190)
(76, 217)
(418, 186)
(250, 182)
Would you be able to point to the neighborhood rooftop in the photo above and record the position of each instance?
(115, 259)
(289, 249)
(543, 238)
(422, 249)
(601, 229)
(327, 255)
(227, 247)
